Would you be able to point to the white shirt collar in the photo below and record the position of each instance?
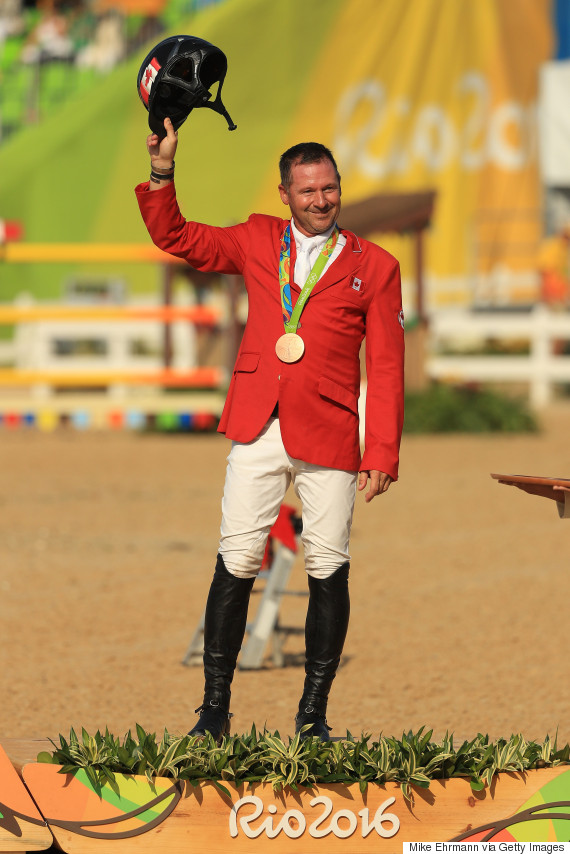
(312, 240)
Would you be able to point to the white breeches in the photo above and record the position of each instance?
(257, 477)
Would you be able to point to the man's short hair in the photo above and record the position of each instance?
(304, 152)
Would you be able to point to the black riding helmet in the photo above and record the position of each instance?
(176, 76)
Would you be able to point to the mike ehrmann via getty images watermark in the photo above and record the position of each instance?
(486, 847)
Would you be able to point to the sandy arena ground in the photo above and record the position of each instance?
(458, 587)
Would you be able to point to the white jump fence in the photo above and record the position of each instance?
(542, 368)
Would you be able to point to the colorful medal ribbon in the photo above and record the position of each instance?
(292, 315)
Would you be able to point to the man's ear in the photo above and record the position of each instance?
(284, 194)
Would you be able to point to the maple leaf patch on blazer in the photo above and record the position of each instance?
(357, 285)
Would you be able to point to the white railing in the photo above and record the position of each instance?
(542, 368)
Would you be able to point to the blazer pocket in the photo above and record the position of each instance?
(338, 394)
(345, 294)
(247, 363)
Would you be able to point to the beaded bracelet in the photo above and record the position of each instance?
(163, 171)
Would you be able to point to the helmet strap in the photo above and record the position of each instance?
(218, 107)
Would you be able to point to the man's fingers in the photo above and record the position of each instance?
(374, 480)
(379, 483)
(171, 134)
(152, 143)
(374, 485)
(169, 128)
(163, 146)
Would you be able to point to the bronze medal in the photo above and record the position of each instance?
(290, 347)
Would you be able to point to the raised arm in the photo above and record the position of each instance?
(204, 247)
(162, 151)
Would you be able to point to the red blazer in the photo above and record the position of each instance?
(359, 294)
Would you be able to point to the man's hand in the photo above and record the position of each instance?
(379, 483)
(162, 150)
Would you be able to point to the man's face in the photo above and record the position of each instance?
(313, 196)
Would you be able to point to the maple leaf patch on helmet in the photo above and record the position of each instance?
(147, 79)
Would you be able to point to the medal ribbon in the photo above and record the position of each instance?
(291, 316)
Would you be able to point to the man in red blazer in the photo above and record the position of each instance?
(314, 292)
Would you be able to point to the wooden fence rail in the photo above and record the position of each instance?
(197, 314)
(542, 368)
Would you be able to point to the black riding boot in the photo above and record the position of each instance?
(325, 632)
(224, 628)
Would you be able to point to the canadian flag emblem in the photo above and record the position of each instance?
(357, 284)
(147, 79)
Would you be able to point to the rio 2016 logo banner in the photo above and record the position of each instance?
(294, 823)
(378, 135)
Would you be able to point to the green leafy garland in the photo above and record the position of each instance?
(413, 760)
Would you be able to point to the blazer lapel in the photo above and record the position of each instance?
(293, 257)
(294, 286)
(343, 266)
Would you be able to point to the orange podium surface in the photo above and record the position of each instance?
(167, 816)
(22, 827)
